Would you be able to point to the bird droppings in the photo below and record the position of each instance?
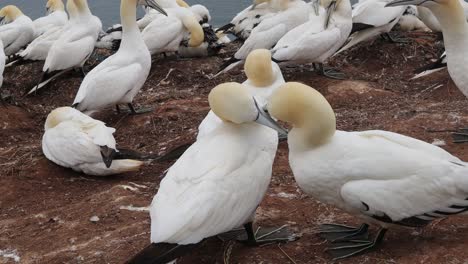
(9, 254)
(94, 219)
(439, 142)
(134, 209)
(120, 233)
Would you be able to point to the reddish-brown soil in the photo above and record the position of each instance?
(45, 210)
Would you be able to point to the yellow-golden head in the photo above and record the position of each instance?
(60, 115)
(259, 69)
(9, 13)
(55, 5)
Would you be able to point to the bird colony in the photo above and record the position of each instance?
(217, 183)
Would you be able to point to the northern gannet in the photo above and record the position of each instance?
(410, 21)
(77, 141)
(77, 38)
(120, 77)
(218, 183)
(17, 30)
(39, 48)
(385, 178)
(165, 33)
(452, 18)
(293, 13)
(318, 39)
(56, 17)
(370, 19)
(431, 21)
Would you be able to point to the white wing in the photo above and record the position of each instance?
(375, 13)
(160, 35)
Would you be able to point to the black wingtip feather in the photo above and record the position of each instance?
(227, 64)
(225, 28)
(161, 253)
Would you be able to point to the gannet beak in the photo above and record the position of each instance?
(316, 6)
(405, 2)
(155, 6)
(253, 6)
(264, 118)
(331, 8)
(1, 20)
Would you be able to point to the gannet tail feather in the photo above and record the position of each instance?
(46, 78)
(161, 253)
(175, 153)
(226, 28)
(228, 65)
(132, 154)
(430, 68)
(17, 61)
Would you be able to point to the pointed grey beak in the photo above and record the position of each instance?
(316, 6)
(331, 8)
(253, 6)
(263, 118)
(155, 6)
(406, 2)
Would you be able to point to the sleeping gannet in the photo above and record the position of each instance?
(271, 30)
(17, 31)
(165, 33)
(56, 17)
(218, 183)
(371, 19)
(385, 178)
(318, 39)
(77, 141)
(452, 18)
(120, 77)
(78, 38)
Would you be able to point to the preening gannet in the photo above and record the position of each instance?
(385, 178)
(165, 33)
(78, 38)
(293, 13)
(371, 19)
(39, 48)
(56, 17)
(77, 141)
(318, 39)
(218, 182)
(17, 30)
(452, 18)
(245, 21)
(118, 79)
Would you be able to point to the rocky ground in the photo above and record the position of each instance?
(50, 214)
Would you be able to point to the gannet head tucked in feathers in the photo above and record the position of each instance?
(58, 116)
(259, 68)
(232, 103)
(306, 109)
(55, 5)
(9, 14)
(197, 36)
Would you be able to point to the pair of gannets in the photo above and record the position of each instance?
(120, 77)
(77, 141)
(218, 183)
(292, 14)
(56, 17)
(77, 38)
(370, 19)
(318, 39)
(18, 30)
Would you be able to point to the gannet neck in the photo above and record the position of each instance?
(71, 9)
(344, 9)
(10, 13)
(258, 68)
(82, 7)
(55, 5)
(279, 4)
(197, 35)
(312, 117)
(128, 16)
(451, 17)
(182, 3)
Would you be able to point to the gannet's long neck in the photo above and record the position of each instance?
(82, 8)
(280, 4)
(131, 34)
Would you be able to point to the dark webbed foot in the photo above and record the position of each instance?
(339, 233)
(131, 110)
(350, 248)
(261, 236)
(393, 39)
(328, 72)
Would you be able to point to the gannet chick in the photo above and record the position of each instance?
(385, 178)
(218, 183)
(371, 19)
(75, 140)
(165, 34)
(245, 21)
(318, 39)
(17, 31)
(120, 77)
(271, 30)
(452, 18)
(56, 17)
(39, 48)
(78, 38)
(410, 21)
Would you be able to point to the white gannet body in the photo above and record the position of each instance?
(264, 77)
(245, 21)
(410, 21)
(18, 31)
(371, 19)
(56, 17)
(118, 78)
(314, 41)
(75, 140)
(271, 30)
(385, 178)
(165, 33)
(219, 182)
(2, 62)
